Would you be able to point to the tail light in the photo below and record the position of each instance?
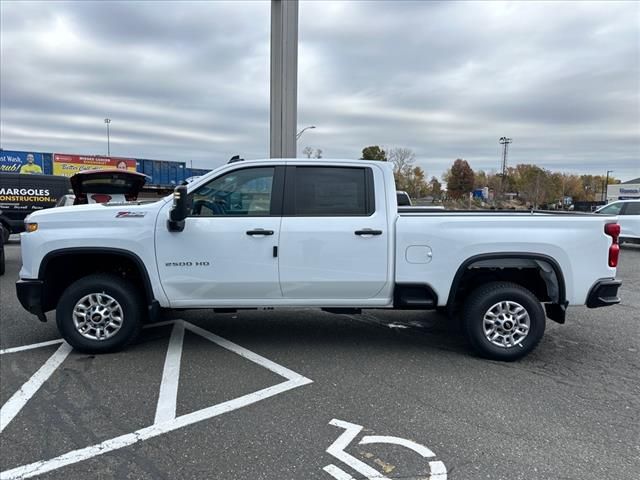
(613, 230)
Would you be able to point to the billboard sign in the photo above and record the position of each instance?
(67, 165)
(21, 162)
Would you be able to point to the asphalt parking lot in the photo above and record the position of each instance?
(309, 395)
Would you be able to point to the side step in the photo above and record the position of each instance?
(343, 311)
(415, 297)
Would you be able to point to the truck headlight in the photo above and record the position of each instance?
(31, 227)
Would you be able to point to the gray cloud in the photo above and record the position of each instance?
(190, 80)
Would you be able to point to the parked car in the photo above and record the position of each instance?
(21, 195)
(628, 212)
(106, 186)
(312, 233)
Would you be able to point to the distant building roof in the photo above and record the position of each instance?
(635, 180)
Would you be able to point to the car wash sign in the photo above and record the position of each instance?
(20, 162)
(67, 165)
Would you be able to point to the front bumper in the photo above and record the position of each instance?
(604, 293)
(30, 296)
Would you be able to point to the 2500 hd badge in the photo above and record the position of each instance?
(186, 264)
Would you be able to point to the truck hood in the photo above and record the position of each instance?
(97, 212)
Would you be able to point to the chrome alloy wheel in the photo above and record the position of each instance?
(97, 316)
(506, 324)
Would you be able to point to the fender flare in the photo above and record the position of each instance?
(146, 280)
(539, 257)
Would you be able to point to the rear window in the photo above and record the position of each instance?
(112, 184)
(332, 191)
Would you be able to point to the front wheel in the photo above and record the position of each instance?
(503, 321)
(100, 313)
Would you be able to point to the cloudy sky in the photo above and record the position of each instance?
(190, 80)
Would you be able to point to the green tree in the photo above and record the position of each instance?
(460, 179)
(374, 152)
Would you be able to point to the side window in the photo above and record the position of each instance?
(633, 208)
(245, 192)
(613, 209)
(332, 191)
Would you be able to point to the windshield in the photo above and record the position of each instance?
(613, 209)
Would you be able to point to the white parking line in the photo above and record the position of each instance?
(168, 397)
(293, 380)
(19, 399)
(32, 346)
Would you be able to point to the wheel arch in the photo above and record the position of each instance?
(549, 270)
(67, 265)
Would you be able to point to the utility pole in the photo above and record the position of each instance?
(284, 78)
(108, 121)
(606, 186)
(504, 141)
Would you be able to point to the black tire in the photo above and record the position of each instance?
(478, 304)
(123, 292)
(1, 259)
(6, 233)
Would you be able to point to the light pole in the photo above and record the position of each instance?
(299, 134)
(108, 121)
(606, 186)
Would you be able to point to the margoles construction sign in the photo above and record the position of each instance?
(32, 195)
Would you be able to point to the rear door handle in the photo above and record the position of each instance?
(259, 231)
(368, 231)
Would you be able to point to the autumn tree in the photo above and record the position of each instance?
(374, 152)
(460, 179)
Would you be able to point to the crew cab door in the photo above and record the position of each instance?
(334, 236)
(225, 254)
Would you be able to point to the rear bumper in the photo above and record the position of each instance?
(30, 295)
(604, 293)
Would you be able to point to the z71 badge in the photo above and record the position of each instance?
(130, 214)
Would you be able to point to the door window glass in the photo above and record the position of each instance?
(332, 191)
(633, 208)
(245, 192)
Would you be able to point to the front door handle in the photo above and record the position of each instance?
(368, 231)
(259, 231)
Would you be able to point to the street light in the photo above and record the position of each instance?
(108, 121)
(299, 134)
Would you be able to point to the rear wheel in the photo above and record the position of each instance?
(6, 233)
(100, 313)
(503, 321)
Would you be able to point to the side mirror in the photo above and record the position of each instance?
(179, 211)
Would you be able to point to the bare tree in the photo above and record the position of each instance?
(307, 152)
(402, 159)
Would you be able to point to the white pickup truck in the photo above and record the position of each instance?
(307, 233)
